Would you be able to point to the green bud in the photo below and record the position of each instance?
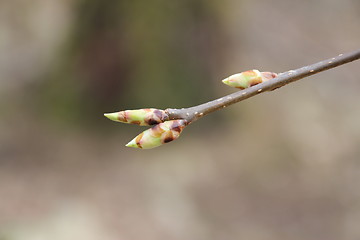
(248, 78)
(158, 135)
(142, 117)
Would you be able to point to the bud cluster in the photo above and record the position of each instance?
(162, 132)
(165, 130)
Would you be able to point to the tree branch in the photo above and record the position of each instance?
(192, 114)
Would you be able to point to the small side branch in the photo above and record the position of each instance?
(192, 114)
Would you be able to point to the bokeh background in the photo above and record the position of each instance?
(281, 165)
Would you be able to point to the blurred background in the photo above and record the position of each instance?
(281, 165)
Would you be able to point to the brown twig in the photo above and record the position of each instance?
(192, 114)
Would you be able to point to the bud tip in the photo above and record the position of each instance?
(226, 80)
(132, 144)
(112, 116)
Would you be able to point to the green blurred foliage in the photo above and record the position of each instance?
(128, 54)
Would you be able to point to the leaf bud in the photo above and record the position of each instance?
(158, 135)
(248, 78)
(142, 117)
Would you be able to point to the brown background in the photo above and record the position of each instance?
(282, 165)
